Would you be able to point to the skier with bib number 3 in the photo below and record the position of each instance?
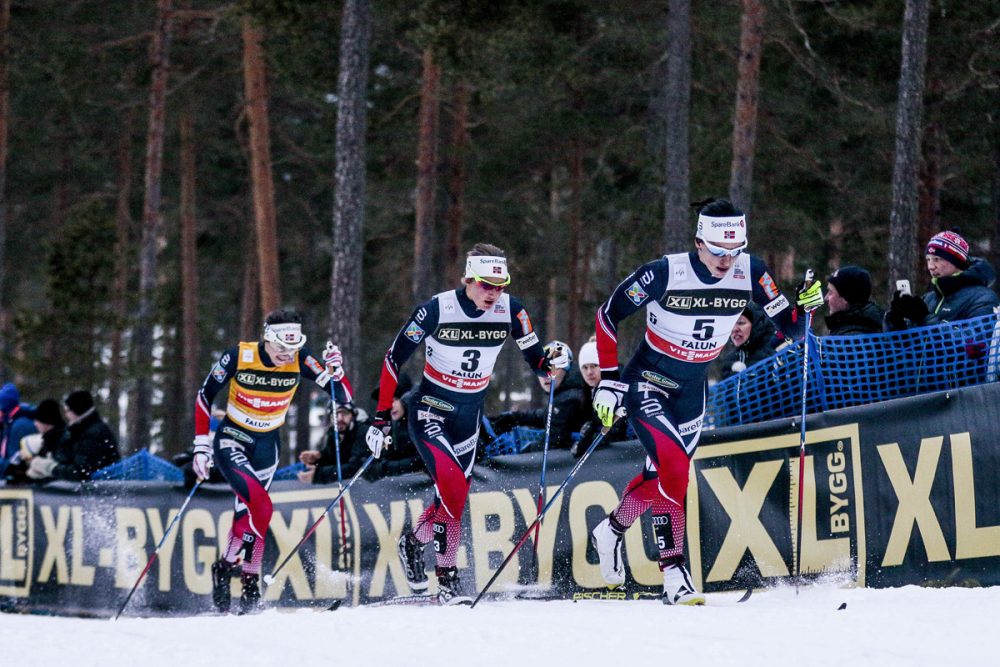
(692, 300)
(463, 330)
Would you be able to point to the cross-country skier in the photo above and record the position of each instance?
(263, 376)
(463, 330)
(692, 300)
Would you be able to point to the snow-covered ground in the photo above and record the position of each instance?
(903, 626)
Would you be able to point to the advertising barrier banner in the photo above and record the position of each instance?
(897, 493)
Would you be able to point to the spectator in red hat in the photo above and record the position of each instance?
(959, 290)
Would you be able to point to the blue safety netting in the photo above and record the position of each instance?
(844, 371)
(289, 472)
(141, 466)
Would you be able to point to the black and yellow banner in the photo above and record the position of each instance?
(897, 493)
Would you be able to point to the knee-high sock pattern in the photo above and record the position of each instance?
(636, 499)
(663, 507)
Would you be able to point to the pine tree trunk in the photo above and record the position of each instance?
(350, 181)
(455, 215)
(189, 339)
(676, 228)
(747, 90)
(251, 319)
(4, 111)
(255, 90)
(577, 281)
(909, 112)
(423, 238)
(152, 231)
(123, 236)
(928, 192)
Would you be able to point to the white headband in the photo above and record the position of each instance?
(731, 229)
(485, 267)
(287, 334)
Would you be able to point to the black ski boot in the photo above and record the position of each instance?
(250, 598)
(449, 587)
(222, 575)
(411, 553)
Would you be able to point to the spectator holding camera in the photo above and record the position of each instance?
(959, 290)
(848, 300)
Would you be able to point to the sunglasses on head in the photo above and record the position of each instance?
(719, 251)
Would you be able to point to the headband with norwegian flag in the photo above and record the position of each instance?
(489, 268)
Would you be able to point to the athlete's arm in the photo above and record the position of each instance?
(312, 368)
(223, 369)
(767, 295)
(527, 341)
(648, 281)
(422, 322)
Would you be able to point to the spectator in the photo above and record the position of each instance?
(960, 287)
(321, 465)
(590, 369)
(568, 405)
(848, 299)
(89, 444)
(15, 423)
(751, 340)
(51, 429)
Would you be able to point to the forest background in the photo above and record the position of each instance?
(170, 170)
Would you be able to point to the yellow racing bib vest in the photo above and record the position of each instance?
(259, 395)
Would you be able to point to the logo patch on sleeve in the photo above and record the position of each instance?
(414, 332)
(776, 306)
(313, 364)
(218, 373)
(525, 322)
(767, 283)
(527, 341)
(636, 294)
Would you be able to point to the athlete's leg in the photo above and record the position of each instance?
(249, 469)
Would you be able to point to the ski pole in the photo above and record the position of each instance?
(269, 578)
(156, 551)
(336, 446)
(572, 473)
(545, 456)
(802, 437)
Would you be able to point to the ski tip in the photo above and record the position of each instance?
(843, 605)
(746, 595)
(335, 606)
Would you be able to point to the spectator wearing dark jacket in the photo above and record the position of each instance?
(89, 444)
(15, 424)
(752, 340)
(848, 300)
(568, 407)
(321, 465)
(960, 287)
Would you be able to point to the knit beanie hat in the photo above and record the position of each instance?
(950, 246)
(79, 401)
(48, 412)
(853, 283)
(588, 354)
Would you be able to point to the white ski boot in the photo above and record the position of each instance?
(678, 587)
(608, 543)
(411, 554)
(450, 590)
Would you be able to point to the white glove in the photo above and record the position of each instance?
(607, 399)
(334, 361)
(31, 444)
(41, 467)
(559, 355)
(203, 457)
(378, 436)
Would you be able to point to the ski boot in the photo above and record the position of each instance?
(449, 587)
(250, 598)
(607, 540)
(222, 575)
(678, 588)
(411, 553)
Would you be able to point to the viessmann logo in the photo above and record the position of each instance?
(16, 537)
